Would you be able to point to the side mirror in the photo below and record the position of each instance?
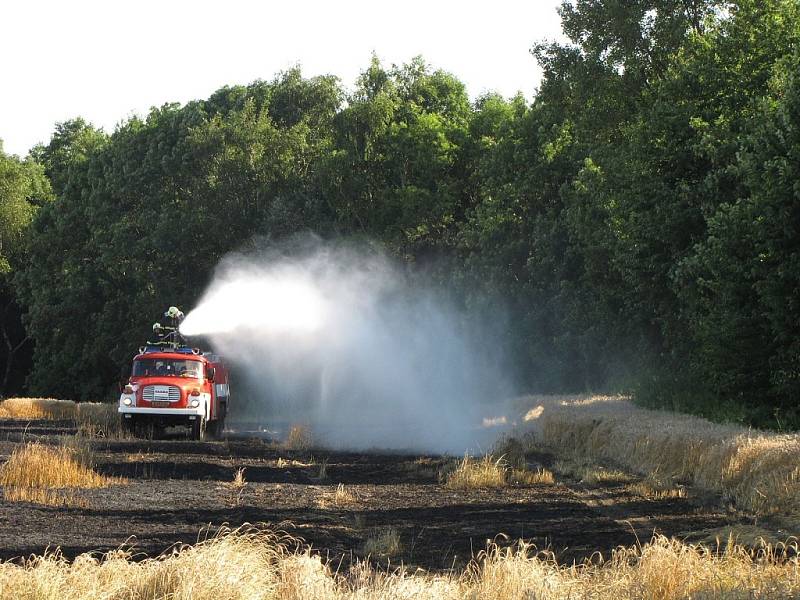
(210, 373)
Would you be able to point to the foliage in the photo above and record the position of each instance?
(740, 282)
(71, 143)
(635, 223)
(23, 189)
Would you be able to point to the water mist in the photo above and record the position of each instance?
(342, 341)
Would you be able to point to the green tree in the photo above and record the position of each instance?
(23, 189)
(397, 171)
(633, 225)
(740, 284)
(145, 216)
(70, 144)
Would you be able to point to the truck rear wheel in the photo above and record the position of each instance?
(216, 427)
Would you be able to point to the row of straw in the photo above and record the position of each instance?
(94, 419)
(757, 470)
(253, 564)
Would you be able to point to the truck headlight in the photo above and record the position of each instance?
(195, 403)
(127, 401)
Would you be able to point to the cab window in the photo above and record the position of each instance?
(161, 367)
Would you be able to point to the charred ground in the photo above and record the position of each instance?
(176, 488)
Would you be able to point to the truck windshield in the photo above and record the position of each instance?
(167, 367)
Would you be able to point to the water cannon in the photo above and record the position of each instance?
(174, 313)
(169, 335)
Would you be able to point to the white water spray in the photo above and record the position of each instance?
(341, 341)
(277, 303)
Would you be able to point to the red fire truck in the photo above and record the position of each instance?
(172, 384)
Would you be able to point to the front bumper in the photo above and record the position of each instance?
(162, 412)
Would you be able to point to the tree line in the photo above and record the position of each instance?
(638, 221)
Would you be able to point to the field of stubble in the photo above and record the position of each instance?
(353, 511)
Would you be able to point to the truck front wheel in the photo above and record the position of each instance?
(127, 425)
(199, 428)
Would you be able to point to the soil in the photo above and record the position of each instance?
(179, 491)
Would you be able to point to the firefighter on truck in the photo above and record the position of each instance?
(172, 384)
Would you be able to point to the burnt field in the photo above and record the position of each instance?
(335, 501)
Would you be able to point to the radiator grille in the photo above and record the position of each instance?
(161, 393)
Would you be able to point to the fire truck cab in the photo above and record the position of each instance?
(175, 385)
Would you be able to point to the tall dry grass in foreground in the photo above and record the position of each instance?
(757, 470)
(259, 565)
(50, 475)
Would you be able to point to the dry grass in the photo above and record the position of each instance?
(92, 419)
(37, 408)
(756, 470)
(658, 488)
(605, 476)
(251, 564)
(235, 489)
(238, 479)
(46, 497)
(342, 496)
(299, 438)
(98, 419)
(383, 542)
(427, 468)
(749, 536)
(287, 462)
(540, 476)
(490, 472)
(663, 569)
(50, 475)
(473, 473)
(591, 473)
(515, 450)
(37, 465)
(140, 457)
(339, 498)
